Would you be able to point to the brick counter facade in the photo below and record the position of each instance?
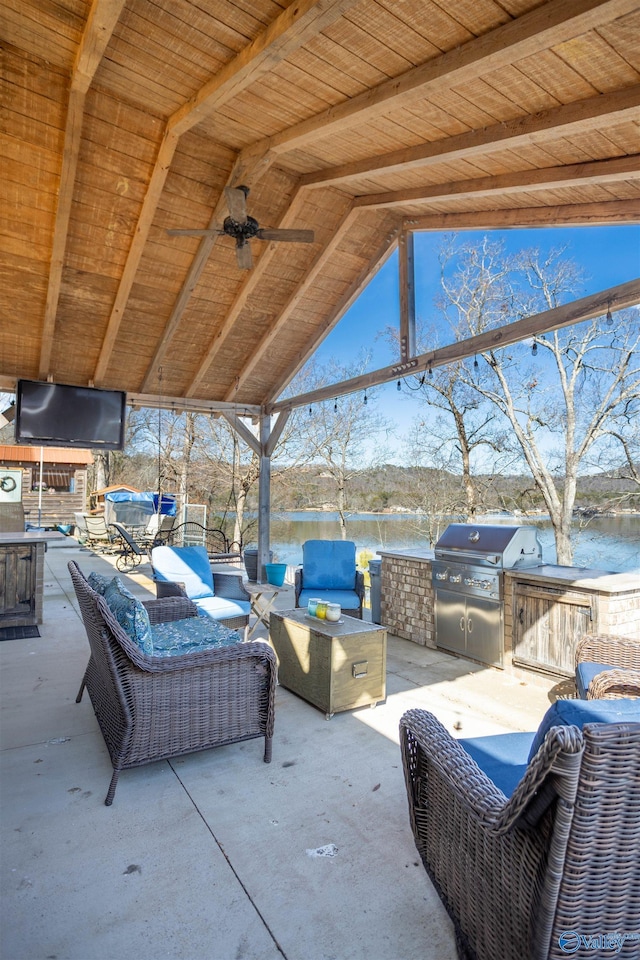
(406, 598)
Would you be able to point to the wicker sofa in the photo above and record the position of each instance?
(200, 688)
(607, 667)
(547, 863)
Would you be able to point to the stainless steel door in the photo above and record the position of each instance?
(451, 618)
(485, 633)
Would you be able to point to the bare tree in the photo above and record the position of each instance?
(574, 392)
(342, 434)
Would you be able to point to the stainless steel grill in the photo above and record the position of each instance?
(469, 585)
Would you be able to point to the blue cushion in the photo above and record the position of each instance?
(188, 565)
(329, 564)
(348, 599)
(578, 712)
(176, 637)
(503, 757)
(130, 614)
(98, 582)
(222, 608)
(585, 672)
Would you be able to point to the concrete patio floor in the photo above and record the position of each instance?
(209, 856)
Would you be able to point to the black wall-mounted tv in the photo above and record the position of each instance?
(58, 415)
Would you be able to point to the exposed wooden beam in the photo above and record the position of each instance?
(551, 23)
(191, 405)
(250, 284)
(567, 120)
(243, 431)
(407, 296)
(376, 262)
(615, 298)
(593, 214)
(524, 181)
(276, 431)
(101, 22)
(290, 30)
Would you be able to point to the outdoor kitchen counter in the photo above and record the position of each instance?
(547, 607)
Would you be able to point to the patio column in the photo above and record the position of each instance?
(264, 496)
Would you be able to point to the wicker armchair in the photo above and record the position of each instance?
(153, 708)
(329, 572)
(526, 878)
(607, 667)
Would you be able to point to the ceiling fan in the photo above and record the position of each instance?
(243, 228)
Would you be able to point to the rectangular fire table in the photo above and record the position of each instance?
(335, 666)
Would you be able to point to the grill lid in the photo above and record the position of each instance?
(494, 544)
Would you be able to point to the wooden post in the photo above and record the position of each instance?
(407, 297)
(264, 497)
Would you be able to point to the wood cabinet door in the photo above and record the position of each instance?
(547, 624)
(17, 580)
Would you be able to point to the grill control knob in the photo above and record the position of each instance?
(455, 578)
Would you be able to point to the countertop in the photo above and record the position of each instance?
(584, 578)
(30, 536)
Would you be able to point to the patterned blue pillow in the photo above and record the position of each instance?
(98, 582)
(175, 637)
(130, 614)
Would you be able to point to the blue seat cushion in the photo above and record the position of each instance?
(585, 672)
(578, 712)
(187, 565)
(348, 599)
(222, 608)
(503, 757)
(328, 565)
(177, 637)
(130, 614)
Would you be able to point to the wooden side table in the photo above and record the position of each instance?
(334, 666)
(263, 596)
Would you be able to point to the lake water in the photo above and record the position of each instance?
(609, 543)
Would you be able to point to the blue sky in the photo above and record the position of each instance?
(607, 256)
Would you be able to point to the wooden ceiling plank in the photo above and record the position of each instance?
(288, 31)
(545, 26)
(587, 308)
(572, 118)
(101, 22)
(599, 171)
(293, 28)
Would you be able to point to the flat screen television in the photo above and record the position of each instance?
(58, 415)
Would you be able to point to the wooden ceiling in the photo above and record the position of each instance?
(358, 119)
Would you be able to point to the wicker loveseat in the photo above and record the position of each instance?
(607, 667)
(196, 686)
(539, 857)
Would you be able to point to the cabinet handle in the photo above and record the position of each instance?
(469, 625)
(521, 615)
(462, 624)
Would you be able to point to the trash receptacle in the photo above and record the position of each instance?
(251, 563)
(374, 589)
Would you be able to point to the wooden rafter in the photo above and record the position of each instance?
(291, 29)
(549, 24)
(615, 298)
(101, 22)
(574, 214)
(597, 171)
(574, 118)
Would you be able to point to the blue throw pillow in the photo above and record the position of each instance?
(130, 614)
(98, 582)
(578, 712)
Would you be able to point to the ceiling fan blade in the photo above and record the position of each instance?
(289, 236)
(194, 233)
(237, 202)
(243, 256)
